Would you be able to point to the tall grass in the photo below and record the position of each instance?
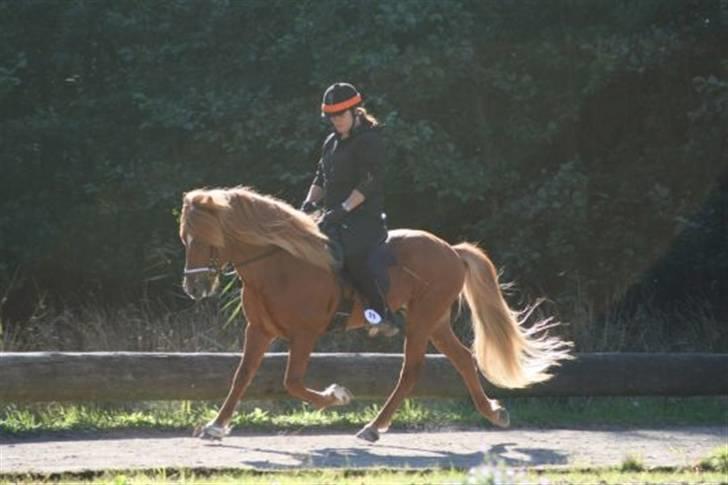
(648, 327)
(144, 327)
(216, 325)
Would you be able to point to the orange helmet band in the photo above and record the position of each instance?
(335, 108)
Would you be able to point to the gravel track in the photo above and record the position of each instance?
(544, 448)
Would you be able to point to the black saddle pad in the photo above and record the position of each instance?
(383, 253)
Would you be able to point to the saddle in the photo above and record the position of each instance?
(384, 258)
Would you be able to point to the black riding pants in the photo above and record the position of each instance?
(364, 260)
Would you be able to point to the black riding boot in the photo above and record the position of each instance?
(370, 276)
(373, 287)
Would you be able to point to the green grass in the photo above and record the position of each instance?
(485, 475)
(618, 477)
(632, 463)
(413, 414)
(716, 462)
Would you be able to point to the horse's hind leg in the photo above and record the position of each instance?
(415, 346)
(256, 343)
(445, 340)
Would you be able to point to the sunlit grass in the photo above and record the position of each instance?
(632, 463)
(716, 461)
(619, 477)
(413, 414)
(484, 475)
(348, 477)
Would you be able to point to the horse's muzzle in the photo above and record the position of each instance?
(199, 286)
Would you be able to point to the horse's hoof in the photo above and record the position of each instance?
(209, 437)
(211, 432)
(501, 419)
(368, 433)
(342, 395)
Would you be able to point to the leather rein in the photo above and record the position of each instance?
(214, 267)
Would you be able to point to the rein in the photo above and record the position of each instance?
(264, 255)
(214, 266)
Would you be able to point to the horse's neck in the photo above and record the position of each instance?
(250, 260)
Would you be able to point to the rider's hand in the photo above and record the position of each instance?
(309, 207)
(334, 216)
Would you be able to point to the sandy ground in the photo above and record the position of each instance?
(594, 447)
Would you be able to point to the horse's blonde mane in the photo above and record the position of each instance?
(242, 214)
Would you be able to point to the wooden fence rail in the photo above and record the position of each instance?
(130, 376)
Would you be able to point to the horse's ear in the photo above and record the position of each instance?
(210, 200)
(204, 201)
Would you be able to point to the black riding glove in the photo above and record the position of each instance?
(309, 207)
(334, 216)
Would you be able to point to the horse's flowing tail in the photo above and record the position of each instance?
(508, 354)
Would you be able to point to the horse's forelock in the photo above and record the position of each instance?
(200, 215)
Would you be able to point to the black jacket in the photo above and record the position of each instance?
(356, 162)
(353, 163)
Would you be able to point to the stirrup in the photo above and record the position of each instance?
(387, 326)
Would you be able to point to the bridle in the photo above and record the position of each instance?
(214, 268)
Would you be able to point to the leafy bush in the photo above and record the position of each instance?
(580, 141)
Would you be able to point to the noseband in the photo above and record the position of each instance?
(213, 267)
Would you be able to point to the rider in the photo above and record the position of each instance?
(348, 186)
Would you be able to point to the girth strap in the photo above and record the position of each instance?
(343, 312)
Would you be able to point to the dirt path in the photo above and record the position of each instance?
(76, 452)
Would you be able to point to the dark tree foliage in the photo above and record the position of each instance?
(582, 142)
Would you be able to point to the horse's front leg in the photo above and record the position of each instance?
(299, 352)
(257, 341)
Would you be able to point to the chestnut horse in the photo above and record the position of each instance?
(290, 291)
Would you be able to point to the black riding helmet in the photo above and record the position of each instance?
(339, 97)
